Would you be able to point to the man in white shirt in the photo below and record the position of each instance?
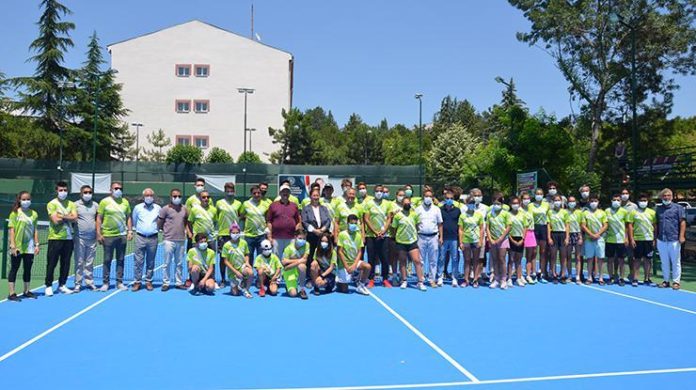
(430, 237)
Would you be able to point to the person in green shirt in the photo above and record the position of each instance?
(195, 199)
(558, 239)
(346, 208)
(228, 209)
(594, 224)
(415, 200)
(530, 243)
(62, 214)
(253, 213)
(268, 268)
(406, 223)
(362, 195)
(322, 269)
(377, 216)
(575, 243)
(295, 264)
(617, 239)
(518, 232)
(202, 219)
(235, 257)
(539, 209)
(263, 187)
(350, 263)
(642, 224)
(201, 266)
(397, 205)
(24, 243)
(471, 240)
(497, 229)
(114, 228)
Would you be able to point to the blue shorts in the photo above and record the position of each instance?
(594, 249)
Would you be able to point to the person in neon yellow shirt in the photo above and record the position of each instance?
(617, 239)
(497, 229)
(201, 265)
(228, 209)
(377, 217)
(268, 267)
(471, 240)
(203, 219)
(24, 243)
(642, 224)
(594, 224)
(350, 263)
(263, 187)
(346, 208)
(530, 244)
(62, 213)
(361, 193)
(575, 243)
(114, 229)
(406, 224)
(195, 199)
(539, 209)
(322, 269)
(235, 257)
(518, 232)
(558, 239)
(295, 264)
(253, 212)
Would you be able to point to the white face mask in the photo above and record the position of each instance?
(553, 192)
(594, 205)
(362, 192)
(515, 207)
(87, 197)
(176, 201)
(148, 200)
(571, 205)
(203, 246)
(427, 201)
(525, 202)
(557, 204)
(25, 204)
(266, 252)
(585, 194)
(235, 236)
(615, 204)
(324, 245)
(642, 204)
(399, 199)
(378, 195)
(538, 198)
(496, 207)
(666, 202)
(200, 189)
(478, 199)
(230, 194)
(117, 193)
(624, 197)
(62, 195)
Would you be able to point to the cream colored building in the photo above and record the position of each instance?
(185, 79)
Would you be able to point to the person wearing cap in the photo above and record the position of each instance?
(268, 267)
(293, 198)
(282, 220)
(145, 217)
(228, 209)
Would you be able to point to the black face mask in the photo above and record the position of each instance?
(407, 207)
(263, 193)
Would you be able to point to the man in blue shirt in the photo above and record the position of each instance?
(670, 236)
(145, 217)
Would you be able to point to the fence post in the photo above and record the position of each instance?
(5, 248)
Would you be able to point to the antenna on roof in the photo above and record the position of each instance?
(252, 20)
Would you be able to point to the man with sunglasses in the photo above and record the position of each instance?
(114, 227)
(172, 222)
(85, 239)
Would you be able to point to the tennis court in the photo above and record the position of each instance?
(542, 336)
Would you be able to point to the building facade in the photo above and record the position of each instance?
(185, 80)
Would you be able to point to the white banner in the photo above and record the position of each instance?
(217, 182)
(102, 182)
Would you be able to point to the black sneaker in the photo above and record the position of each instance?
(29, 294)
(611, 281)
(621, 282)
(14, 298)
(303, 294)
(634, 283)
(316, 291)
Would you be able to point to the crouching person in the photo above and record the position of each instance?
(324, 265)
(268, 267)
(235, 257)
(350, 265)
(201, 265)
(295, 264)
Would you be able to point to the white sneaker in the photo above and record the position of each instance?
(440, 282)
(361, 289)
(191, 287)
(520, 282)
(421, 286)
(217, 286)
(104, 287)
(65, 290)
(48, 292)
(530, 280)
(495, 284)
(404, 284)
(454, 283)
(121, 287)
(509, 283)
(76, 289)
(503, 286)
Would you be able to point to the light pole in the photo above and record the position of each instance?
(63, 85)
(246, 92)
(137, 126)
(250, 131)
(419, 96)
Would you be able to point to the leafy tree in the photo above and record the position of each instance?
(184, 154)
(249, 158)
(159, 140)
(45, 94)
(400, 146)
(592, 49)
(218, 156)
(294, 140)
(123, 145)
(451, 152)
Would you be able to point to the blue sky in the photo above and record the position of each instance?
(363, 56)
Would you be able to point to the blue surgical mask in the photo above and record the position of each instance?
(235, 236)
(353, 227)
(324, 245)
(449, 202)
(117, 193)
(300, 242)
(471, 206)
(408, 193)
(427, 201)
(203, 246)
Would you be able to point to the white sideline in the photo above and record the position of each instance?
(60, 324)
(639, 299)
(42, 286)
(426, 340)
(493, 381)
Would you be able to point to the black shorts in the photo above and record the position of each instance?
(615, 250)
(515, 248)
(406, 247)
(643, 249)
(540, 232)
(558, 239)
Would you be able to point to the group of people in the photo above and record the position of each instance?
(326, 242)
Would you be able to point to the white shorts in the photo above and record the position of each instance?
(342, 276)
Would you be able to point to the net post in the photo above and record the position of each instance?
(5, 249)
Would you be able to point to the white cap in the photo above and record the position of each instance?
(284, 187)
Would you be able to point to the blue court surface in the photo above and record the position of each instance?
(536, 337)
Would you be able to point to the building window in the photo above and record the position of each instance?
(182, 106)
(202, 70)
(183, 140)
(201, 141)
(201, 106)
(183, 70)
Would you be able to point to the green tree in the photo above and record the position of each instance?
(218, 156)
(294, 139)
(400, 146)
(451, 153)
(592, 49)
(159, 140)
(123, 145)
(184, 154)
(249, 158)
(45, 94)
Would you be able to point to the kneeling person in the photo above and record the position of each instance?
(201, 265)
(350, 243)
(268, 267)
(235, 257)
(295, 264)
(324, 265)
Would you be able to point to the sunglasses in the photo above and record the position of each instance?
(117, 188)
(87, 192)
(176, 196)
(205, 197)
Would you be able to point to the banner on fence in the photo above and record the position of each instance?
(526, 182)
(217, 182)
(102, 182)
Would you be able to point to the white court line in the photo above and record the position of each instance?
(494, 381)
(640, 299)
(60, 324)
(426, 340)
(43, 286)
